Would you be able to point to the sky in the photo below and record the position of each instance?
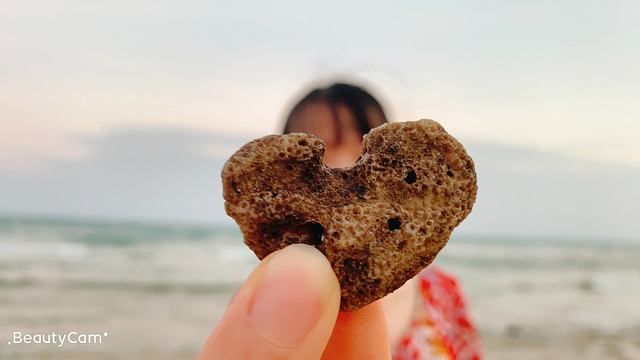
(129, 109)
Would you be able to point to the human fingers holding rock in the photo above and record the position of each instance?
(288, 308)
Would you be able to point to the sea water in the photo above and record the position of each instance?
(159, 289)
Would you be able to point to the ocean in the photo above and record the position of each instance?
(157, 290)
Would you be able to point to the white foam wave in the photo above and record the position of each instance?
(26, 251)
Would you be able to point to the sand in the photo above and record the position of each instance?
(174, 325)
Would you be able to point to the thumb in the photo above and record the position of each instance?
(286, 309)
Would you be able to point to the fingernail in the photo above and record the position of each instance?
(292, 295)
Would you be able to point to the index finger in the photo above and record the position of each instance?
(361, 334)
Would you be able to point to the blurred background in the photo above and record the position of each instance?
(116, 118)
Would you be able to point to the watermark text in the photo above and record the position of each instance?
(72, 337)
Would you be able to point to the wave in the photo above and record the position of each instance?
(155, 287)
(111, 233)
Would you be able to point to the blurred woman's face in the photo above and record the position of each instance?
(317, 119)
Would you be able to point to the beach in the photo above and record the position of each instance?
(157, 290)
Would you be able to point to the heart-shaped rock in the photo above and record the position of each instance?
(379, 222)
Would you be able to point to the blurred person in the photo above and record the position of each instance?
(293, 312)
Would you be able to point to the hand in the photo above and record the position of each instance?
(289, 309)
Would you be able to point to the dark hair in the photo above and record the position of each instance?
(357, 99)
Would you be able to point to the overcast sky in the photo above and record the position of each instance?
(129, 108)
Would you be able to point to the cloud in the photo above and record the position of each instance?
(170, 173)
(140, 173)
(529, 191)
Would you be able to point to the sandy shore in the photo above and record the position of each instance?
(174, 325)
(162, 301)
(581, 344)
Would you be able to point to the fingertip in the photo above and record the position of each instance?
(286, 309)
(297, 287)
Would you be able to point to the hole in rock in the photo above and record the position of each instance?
(317, 233)
(411, 177)
(311, 233)
(394, 224)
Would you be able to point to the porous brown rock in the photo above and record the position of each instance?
(379, 222)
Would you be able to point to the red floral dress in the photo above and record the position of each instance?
(441, 327)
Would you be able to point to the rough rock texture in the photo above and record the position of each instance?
(379, 222)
